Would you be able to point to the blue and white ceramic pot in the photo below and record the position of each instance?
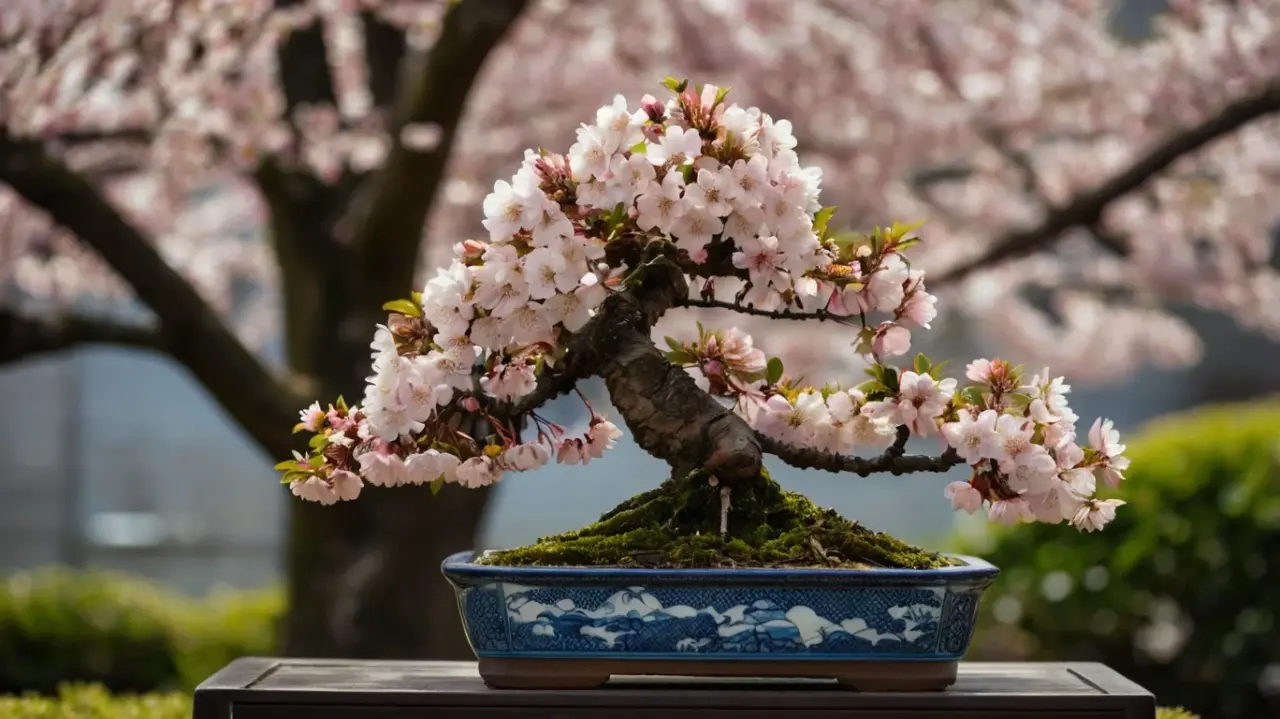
(573, 627)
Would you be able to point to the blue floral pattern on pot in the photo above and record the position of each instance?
(881, 614)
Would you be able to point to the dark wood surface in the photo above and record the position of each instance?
(262, 688)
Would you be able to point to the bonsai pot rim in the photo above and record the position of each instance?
(461, 569)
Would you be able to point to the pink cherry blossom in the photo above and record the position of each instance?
(572, 451)
(919, 309)
(661, 204)
(921, 400)
(975, 438)
(509, 381)
(892, 340)
(527, 456)
(1096, 514)
(602, 436)
(479, 472)
(312, 418)
(345, 485)
(313, 489)
(1009, 511)
(382, 468)
(423, 467)
(964, 496)
(675, 143)
(979, 370)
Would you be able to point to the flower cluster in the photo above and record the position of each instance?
(831, 419)
(1020, 440)
(346, 455)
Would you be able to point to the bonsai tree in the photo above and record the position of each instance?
(692, 202)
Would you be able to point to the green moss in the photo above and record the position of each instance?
(677, 525)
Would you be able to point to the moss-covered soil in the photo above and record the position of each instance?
(677, 526)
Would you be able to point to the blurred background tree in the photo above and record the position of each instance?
(1078, 188)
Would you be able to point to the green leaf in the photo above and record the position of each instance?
(701, 332)
(416, 297)
(638, 148)
(674, 85)
(890, 379)
(872, 385)
(936, 370)
(674, 344)
(342, 404)
(316, 462)
(820, 220)
(680, 357)
(318, 442)
(294, 475)
(899, 230)
(436, 485)
(973, 394)
(288, 464)
(404, 307)
(773, 370)
(907, 243)
(921, 364)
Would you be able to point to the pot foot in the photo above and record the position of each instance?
(540, 674)
(897, 676)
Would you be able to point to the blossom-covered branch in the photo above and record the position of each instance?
(1086, 209)
(193, 333)
(23, 336)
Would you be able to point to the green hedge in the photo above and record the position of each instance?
(58, 626)
(95, 702)
(1181, 593)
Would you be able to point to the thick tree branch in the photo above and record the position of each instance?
(384, 52)
(388, 214)
(305, 77)
(23, 336)
(1086, 208)
(193, 334)
(892, 460)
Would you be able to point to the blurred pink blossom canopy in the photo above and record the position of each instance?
(984, 118)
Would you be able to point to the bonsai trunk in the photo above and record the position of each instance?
(714, 456)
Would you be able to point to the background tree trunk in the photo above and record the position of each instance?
(364, 577)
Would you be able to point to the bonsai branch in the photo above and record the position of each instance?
(893, 460)
(786, 314)
(1086, 208)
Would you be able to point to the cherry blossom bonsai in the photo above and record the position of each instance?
(692, 203)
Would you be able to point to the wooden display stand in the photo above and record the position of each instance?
(261, 688)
